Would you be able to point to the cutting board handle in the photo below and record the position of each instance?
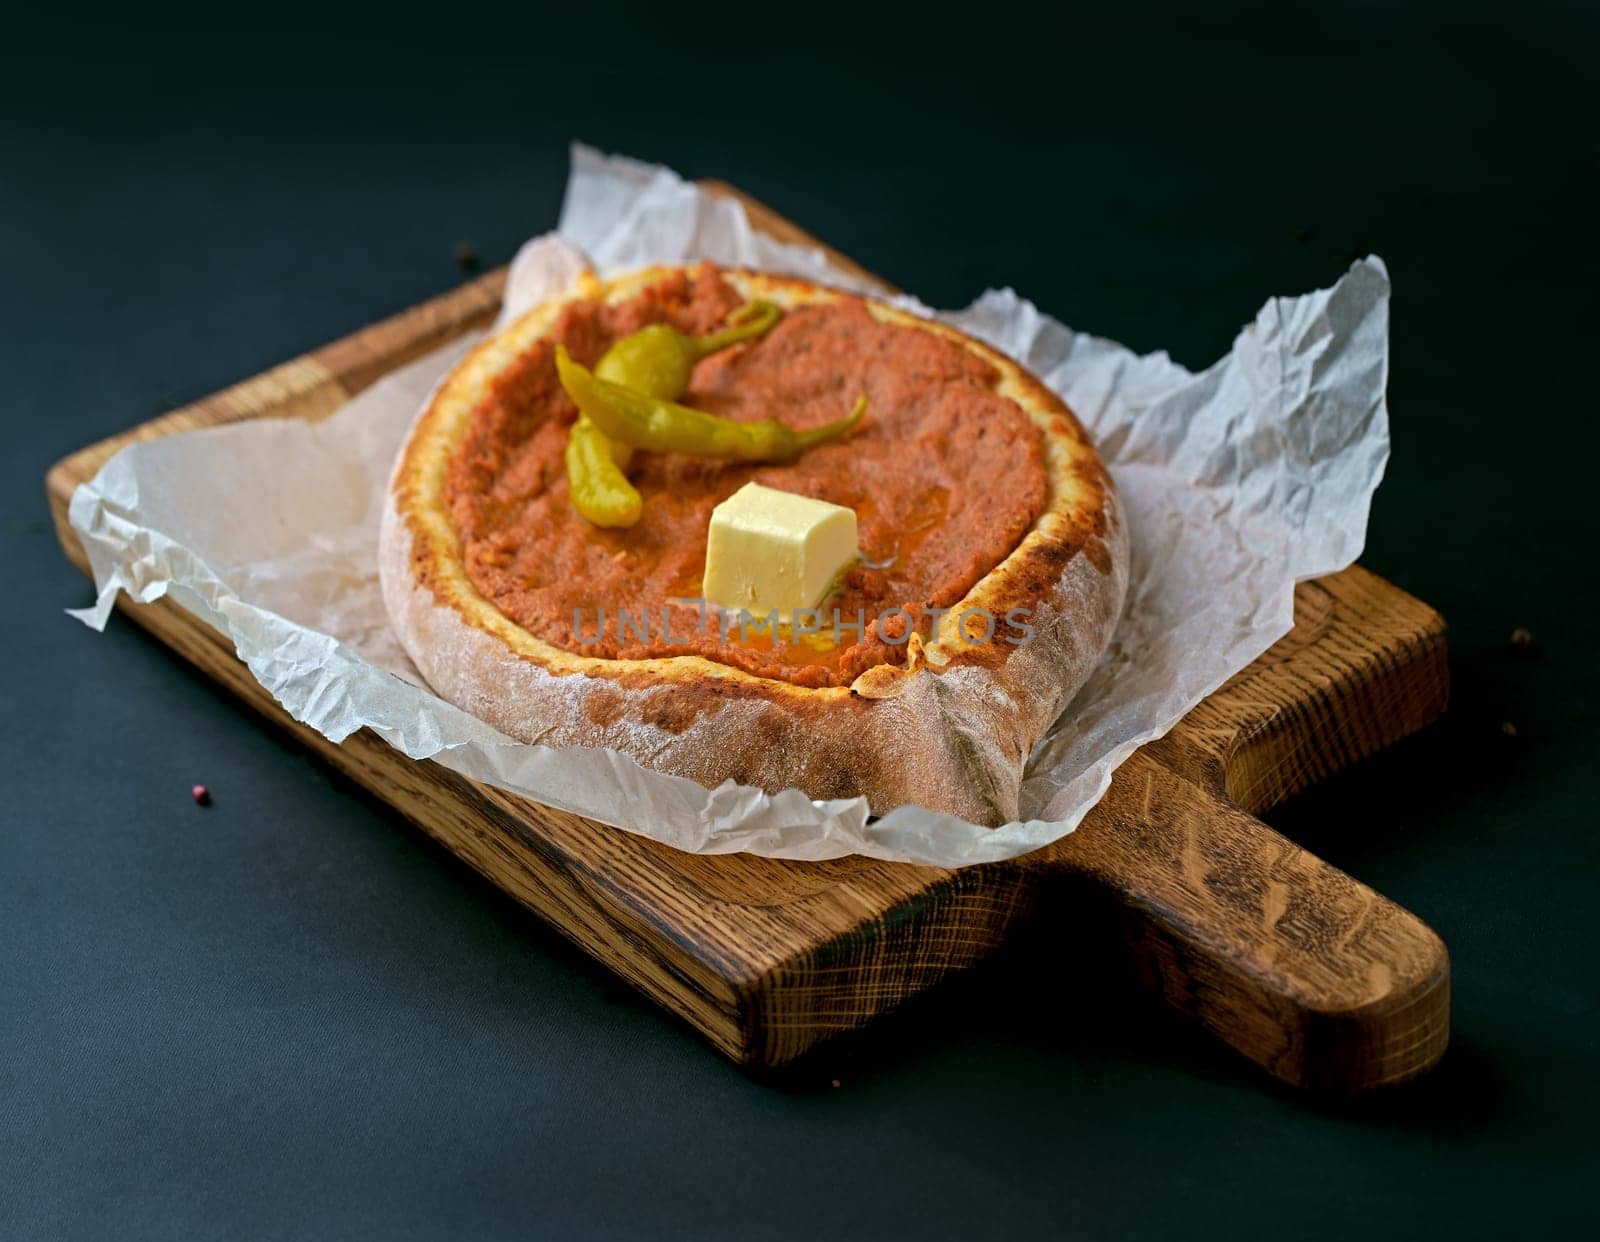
(1308, 972)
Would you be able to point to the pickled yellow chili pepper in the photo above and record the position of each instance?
(662, 426)
(657, 360)
(599, 489)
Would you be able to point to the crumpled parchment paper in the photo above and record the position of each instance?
(1237, 482)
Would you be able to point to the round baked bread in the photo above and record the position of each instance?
(997, 526)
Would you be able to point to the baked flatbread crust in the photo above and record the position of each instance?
(949, 729)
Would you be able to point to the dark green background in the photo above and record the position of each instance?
(290, 1015)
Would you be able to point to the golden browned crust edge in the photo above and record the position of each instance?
(950, 730)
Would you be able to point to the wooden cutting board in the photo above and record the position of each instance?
(1312, 975)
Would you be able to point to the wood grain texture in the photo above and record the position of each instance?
(1301, 968)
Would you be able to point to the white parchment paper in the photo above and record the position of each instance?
(1237, 482)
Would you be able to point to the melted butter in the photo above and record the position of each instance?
(806, 650)
(688, 585)
(927, 515)
(802, 651)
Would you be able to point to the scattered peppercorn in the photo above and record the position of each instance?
(1521, 637)
(201, 795)
(466, 257)
(1509, 729)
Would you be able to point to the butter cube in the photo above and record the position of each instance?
(769, 550)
